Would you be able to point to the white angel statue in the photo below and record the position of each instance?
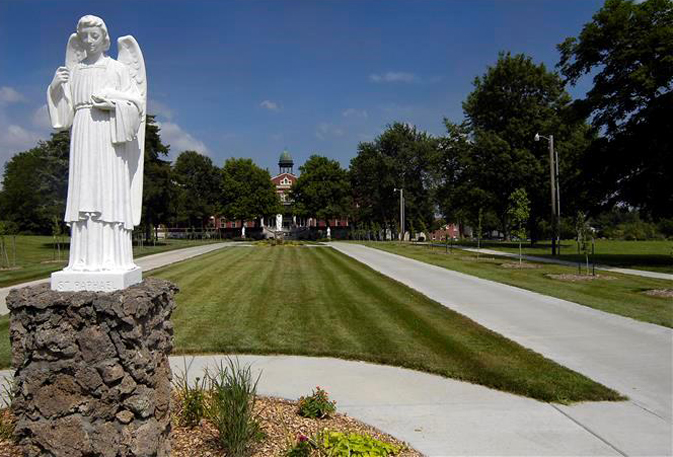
(103, 101)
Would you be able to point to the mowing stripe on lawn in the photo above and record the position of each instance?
(319, 302)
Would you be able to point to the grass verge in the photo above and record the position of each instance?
(36, 258)
(639, 255)
(623, 294)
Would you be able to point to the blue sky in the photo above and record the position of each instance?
(250, 78)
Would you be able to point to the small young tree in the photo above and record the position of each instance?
(479, 232)
(583, 236)
(4, 258)
(519, 212)
(56, 235)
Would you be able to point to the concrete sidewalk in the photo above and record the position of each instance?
(440, 416)
(147, 263)
(632, 357)
(532, 258)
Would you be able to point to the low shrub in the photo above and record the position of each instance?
(317, 405)
(231, 407)
(339, 444)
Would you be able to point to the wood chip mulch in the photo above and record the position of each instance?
(279, 421)
(663, 293)
(578, 278)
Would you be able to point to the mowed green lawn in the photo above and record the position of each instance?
(622, 294)
(36, 258)
(318, 302)
(640, 255)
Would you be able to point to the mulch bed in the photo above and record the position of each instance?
(280, 422)
(520, 266)
(662, 293)
(580, 278)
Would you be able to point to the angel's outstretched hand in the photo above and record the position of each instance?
(61, 76)
(102, 103)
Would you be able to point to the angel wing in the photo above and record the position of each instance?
(74, 52)
(129, 54)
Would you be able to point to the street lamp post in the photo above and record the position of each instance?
(555, 194)
(401, 213)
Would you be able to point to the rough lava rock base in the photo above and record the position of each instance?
(92, 374)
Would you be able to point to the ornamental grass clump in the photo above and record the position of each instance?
(231, 407)
(317, 405)
(192, 400)
(7, 420)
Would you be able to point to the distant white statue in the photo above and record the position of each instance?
(103, 101)
(329, 232)
(279, 222)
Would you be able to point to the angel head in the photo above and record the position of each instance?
(92, 32)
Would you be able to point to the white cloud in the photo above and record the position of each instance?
(40, 118)
(271, 106)
(159, 109)
(324, 130)
(13, 139)
(179, 140)
(393, 77)
(9, 95)
(352, 112)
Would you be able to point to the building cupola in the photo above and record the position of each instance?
(285, 163)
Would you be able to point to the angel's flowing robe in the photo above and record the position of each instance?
(98, 208)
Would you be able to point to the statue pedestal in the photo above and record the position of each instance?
(98, 281)
(92, 373)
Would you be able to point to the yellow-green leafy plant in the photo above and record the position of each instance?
(338, 444)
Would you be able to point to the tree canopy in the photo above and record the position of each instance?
(198, 187)
(322, 189)
(401, 157)
(629, 48)
(158, 186)
(35, 185)
(246, 191)
(510, 103)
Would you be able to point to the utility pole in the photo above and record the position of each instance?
(552, 173)
(558, 198)
(401, 213)
(555, 194)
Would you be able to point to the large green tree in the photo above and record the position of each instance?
(510, 103)
(198, 188)
(322, 190)
(158, 185)
(246, 191)
(628, 47)
(401, 157)
(35, 185)
(458, 197)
